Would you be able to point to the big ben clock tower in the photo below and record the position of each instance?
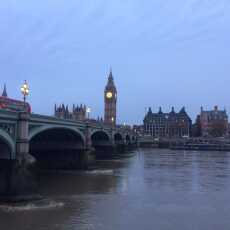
(110, 98)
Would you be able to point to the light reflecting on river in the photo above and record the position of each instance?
(155, 189)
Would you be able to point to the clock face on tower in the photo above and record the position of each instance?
(109, 95)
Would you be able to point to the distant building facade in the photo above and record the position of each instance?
(213, 123)
(168, 125)
(78, 112)
(10, 104)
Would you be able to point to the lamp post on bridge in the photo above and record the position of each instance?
(88, 111)
(25, 92)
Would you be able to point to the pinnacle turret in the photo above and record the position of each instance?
(4, 93)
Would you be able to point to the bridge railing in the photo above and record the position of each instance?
(53, 119)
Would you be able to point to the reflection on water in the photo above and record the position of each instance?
(156, 189)
(30, 206)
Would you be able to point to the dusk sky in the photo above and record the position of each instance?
(163, 53)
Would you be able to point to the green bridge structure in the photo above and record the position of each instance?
(55, 144)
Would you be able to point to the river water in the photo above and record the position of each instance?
(154, 189)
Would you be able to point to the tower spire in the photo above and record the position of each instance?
(110, 83)
(4, 93)
(110, 74)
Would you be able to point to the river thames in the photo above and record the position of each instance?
(154, 189)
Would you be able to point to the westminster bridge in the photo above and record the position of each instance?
(54, 143)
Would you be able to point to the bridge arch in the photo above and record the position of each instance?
(7, 146)
(101, 142)
(57, 147)
(100, 135)
(118, 137)
(44, 128)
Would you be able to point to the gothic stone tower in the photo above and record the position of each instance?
(110, 98)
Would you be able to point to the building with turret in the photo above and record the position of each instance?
(110, 101)
(78, 113)
(168, 125)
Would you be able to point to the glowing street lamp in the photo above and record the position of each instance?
(88, 111)
(25, 91)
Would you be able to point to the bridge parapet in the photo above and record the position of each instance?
(43, 119)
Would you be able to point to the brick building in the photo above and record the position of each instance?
(213, 123)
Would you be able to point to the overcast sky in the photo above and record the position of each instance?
(163, 53)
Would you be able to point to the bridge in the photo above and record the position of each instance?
(54, 143)
(22, 133)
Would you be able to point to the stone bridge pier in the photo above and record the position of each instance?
(17, 182)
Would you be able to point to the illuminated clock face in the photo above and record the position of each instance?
(109, 95)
